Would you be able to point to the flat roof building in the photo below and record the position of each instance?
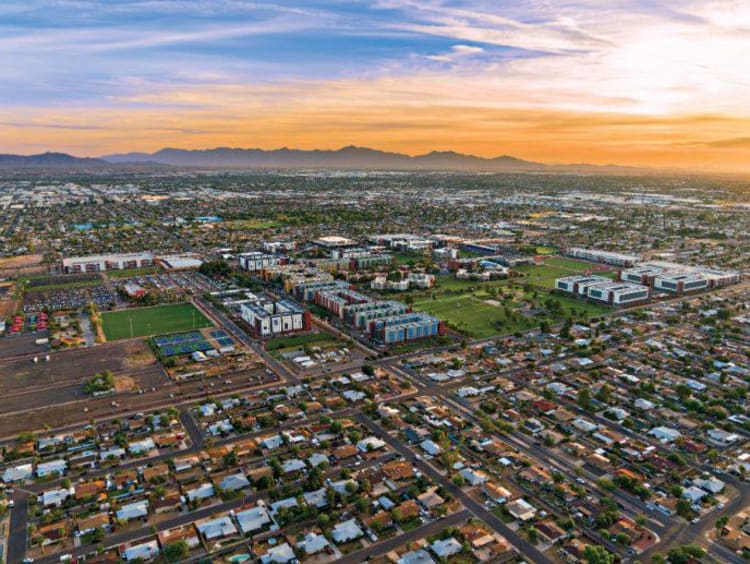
(99, 263)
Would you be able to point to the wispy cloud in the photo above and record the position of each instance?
(626, 80)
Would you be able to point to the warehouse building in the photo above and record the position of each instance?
(100, 263)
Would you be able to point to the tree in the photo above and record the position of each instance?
(176, 551)
(685, 554)
(584, 399)
(595, 554)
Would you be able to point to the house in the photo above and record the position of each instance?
(722, 437)
(430, 447)
(345, 451)
(550, 531)
(398, 470)
(694, 494)
(345, 486)
(217, 528)
(430, 499)
(53, 467)
(474, 477)
(665, 434)
(56, 497)
(711, 485)
(317, 458)
(292, 466)
(406, 511)
(234, 482)
(346, 531)
(521, 509)
(279, 554)
(314, 543)
(93, 522)
(185, 533)
(18, 473)
(286, 503)
(141, 552)
(138, 448)
(416, 557)
(370, 443)
(317, 498)
(254, 519)
(204, 491)
(136, 510)
(496, 493)
(446, 548)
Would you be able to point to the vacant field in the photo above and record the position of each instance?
(144, 322)
(313, 339)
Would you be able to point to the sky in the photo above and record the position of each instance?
(633, 82)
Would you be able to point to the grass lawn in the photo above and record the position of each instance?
(569, 263)
(147, 321)
(545, 250)
(472, 316)
(469, 313)
(295, 341)
(66, 285)
(403, 258)
(130, 272)
(251, 224)
(545, 274)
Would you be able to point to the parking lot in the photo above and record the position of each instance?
(185, 282)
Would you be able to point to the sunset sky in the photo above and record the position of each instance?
(630, 82)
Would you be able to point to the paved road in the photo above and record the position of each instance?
(16, 546)
(526, 549)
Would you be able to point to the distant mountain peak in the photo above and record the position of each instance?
(347, 157)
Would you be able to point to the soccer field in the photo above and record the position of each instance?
(147, 321)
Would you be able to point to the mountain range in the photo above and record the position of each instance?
(350, 157)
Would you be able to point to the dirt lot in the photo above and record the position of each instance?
(26, 386)
(76, 409)
(24, 264)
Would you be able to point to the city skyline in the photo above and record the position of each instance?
(637, 83)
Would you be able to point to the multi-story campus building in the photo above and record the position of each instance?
(603, 289)
(267, 317)
(256, 261)
(606, 257)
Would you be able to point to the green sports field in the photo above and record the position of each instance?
(544, 275)
(147, 321)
